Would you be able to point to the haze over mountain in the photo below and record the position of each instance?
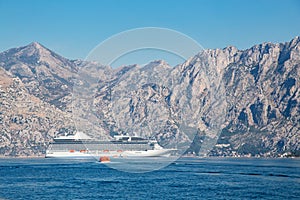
(260, 86)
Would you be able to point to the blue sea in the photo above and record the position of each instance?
(186, 178)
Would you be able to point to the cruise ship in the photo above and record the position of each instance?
(82, 146)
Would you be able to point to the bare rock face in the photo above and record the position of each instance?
(252, 96)
(44, 73)
(262, 87)
(27, 124)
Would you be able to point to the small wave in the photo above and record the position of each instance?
(247, 174)
(251, 174)
(282, 175)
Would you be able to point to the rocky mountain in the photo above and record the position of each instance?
(44, 73)
(27, 123)
(242, 102)
(262, 85)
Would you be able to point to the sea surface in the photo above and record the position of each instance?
(187, 178)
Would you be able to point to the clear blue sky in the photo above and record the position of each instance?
(73, 28)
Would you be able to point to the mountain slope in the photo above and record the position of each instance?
(262, 87)
(27, 124)
(44, 73)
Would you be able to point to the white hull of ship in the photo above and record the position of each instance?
(115, 154)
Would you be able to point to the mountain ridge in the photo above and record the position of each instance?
(261, 82)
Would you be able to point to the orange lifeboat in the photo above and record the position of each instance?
(104, 159)
(72, 151)
(105, 150)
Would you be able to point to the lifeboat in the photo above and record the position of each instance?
(105, 150)
(104, 159)
(72, 151)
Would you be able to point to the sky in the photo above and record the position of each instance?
(74, 28)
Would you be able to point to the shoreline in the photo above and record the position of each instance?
(194, 157)
(20, 157)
